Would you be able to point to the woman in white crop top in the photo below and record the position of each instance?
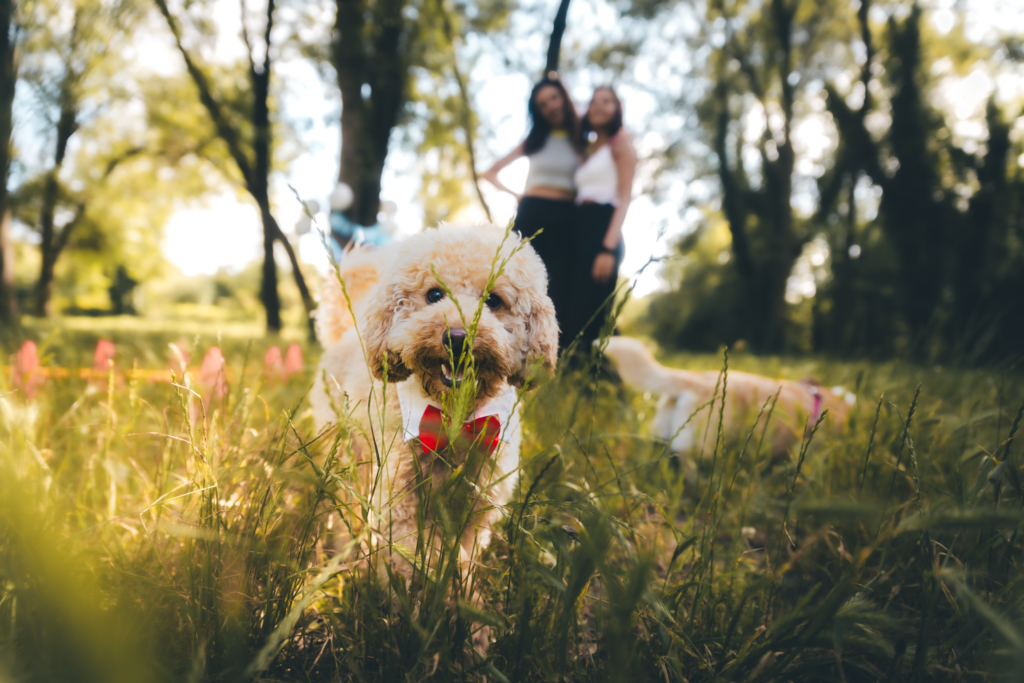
(604, 188)
(547, 203)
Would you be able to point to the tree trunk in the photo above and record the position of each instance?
(269, 295)
(839, 337)
(361, 166)
(300, 281)
(914, 211)
(49, 242)
(555, 44)
(259, 180)
(466, 117)
(983, 232)
(268, 285)
(784, 253)
(8, 78)
(734, 206)
(263, 150)
(764, 277)
(44, 286)
(367, 122)
(8, 305)
(779, 180)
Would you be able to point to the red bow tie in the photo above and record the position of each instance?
(482, 431)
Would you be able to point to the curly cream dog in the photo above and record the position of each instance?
(683, 391)
(405, 320)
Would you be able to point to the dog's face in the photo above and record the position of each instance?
(414, 325)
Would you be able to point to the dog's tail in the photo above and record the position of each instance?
(360, 269)
(638, 367)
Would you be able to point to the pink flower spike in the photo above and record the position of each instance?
(211, 372)
(26, 369)
(272, 363)
(104, 356)
(179, 357)
(27, 358)
(293, 360)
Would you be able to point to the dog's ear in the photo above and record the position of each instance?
(379, 318)
(542, 337)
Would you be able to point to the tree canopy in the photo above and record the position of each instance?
(921, 228)
(833, 196)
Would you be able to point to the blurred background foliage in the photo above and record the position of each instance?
(839, 194)
(911, 242)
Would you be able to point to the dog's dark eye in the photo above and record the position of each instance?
(434, 295)
(494, 302)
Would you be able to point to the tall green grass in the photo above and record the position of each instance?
(152, 532)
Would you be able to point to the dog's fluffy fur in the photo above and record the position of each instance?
(683, 391)
(397, 326)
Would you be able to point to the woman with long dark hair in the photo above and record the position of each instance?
(604, 189)
(547, 202)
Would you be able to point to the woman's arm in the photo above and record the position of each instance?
(625, 163)
(491, 174)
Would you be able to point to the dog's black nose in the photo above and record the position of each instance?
(453, 339)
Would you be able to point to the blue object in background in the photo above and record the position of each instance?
(344, 231)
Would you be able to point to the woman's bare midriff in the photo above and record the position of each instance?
(550, 193)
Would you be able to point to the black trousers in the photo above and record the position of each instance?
(554, 246)
(591, 301)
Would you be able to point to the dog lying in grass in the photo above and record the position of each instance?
(683, 392)
(443, 326)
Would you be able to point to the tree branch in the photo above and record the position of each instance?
(245, 38)
(739, 52)
(226, 131)
(266, 38)
(300, 281)
(466, 114)
(256, 173)
(61, 240)
(856, 138)
(865, 74)
(783, 17)
(555, 44)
